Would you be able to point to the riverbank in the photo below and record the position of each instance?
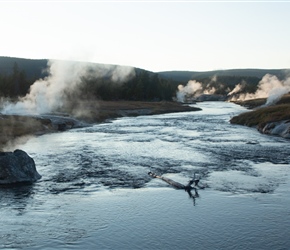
(13, 127)
(272, 120)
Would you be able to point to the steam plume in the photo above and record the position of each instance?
(195, 89)
(47, 95)
(192, 88)
(269, 87)
(239, 87)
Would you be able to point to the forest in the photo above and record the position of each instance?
(144, 86)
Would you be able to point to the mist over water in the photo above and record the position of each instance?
(96, 194)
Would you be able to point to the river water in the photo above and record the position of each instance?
(95, 192)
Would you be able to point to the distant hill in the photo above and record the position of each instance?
(185, 76)
(33, 68)
(18, 74)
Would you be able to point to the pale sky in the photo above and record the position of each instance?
(153, 35)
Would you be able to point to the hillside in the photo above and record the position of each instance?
(98, 81)
(33, 68)
(36, 68)
(185, 76)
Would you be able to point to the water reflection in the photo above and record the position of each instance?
(16, 197)
(193, 195)
(191, 190)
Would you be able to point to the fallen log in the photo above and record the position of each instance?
(173, 183)
(178, 185)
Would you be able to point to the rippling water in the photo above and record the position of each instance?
(95, 192)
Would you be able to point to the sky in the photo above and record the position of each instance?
(152, 35)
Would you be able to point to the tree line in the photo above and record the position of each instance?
(144, 86)
(14, 84)
(224, 84)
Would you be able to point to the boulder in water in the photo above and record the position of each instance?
(17, 167)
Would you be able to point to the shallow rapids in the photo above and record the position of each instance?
(84, 168)
(119, 154)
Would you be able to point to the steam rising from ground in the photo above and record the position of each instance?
(269, 87)
(238, 88)
(194, 89)
(48, 94)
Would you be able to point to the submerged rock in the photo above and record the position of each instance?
(17, 167)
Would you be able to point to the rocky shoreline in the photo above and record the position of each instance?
(13, 127)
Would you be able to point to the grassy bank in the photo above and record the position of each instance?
(260, 116)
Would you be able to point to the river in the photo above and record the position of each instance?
(95, 192)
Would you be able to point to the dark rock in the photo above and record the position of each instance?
(209, 98)
(17, 167)
(280, 128)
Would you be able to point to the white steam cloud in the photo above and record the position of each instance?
(269, 87)
(191, 89)
(194, 89)
(47, 95)
(239, 87)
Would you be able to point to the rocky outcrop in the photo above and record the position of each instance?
(280, 128)
(17, 167)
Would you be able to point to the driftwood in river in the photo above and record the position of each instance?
(169, 181)
(177, 185)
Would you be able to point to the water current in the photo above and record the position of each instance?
(95, 192)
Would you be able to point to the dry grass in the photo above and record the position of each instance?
(251, 104)
(261, 116)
